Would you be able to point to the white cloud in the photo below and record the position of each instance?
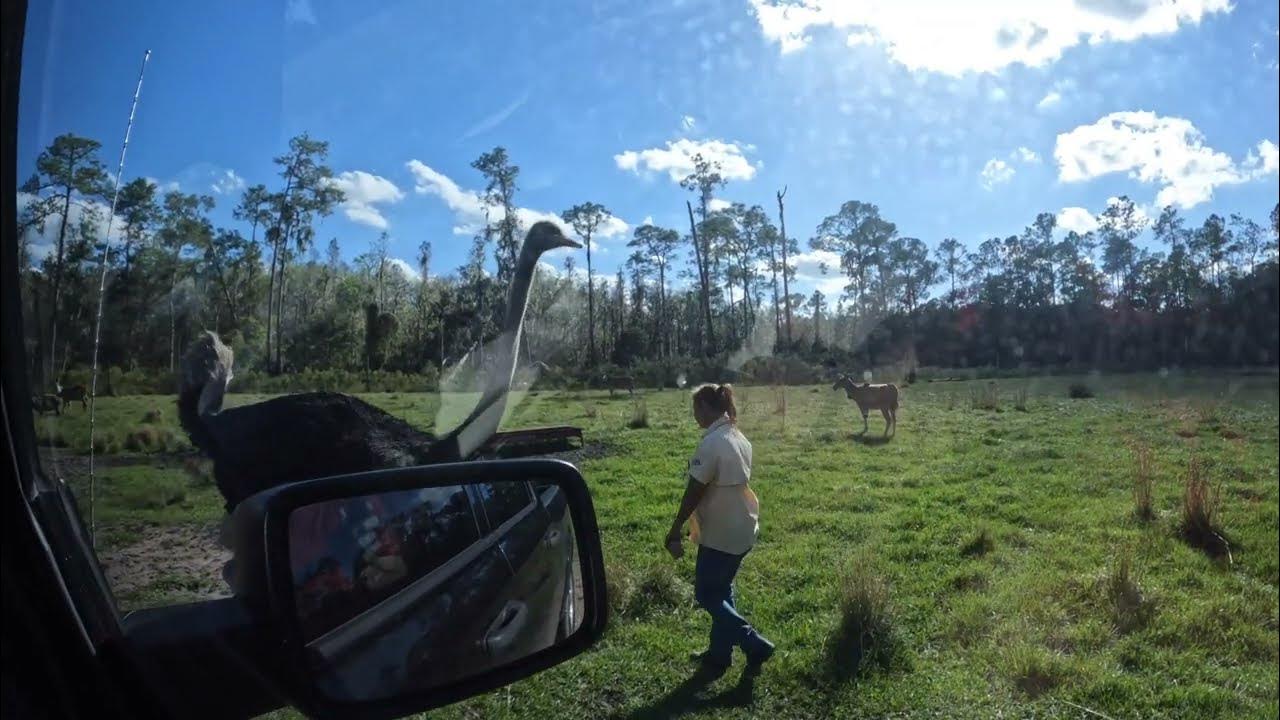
(959, 37)
(688, 122)
(1051, 100)
(996, 172)
(860, 37)
(163, 187)
(1026, 155)
(1166, 151)
(718, 204)
(227, 182)
(997, 95)
(820, 269)
(41, 242)
(1077, 219)
(676, 159)
(203, 177)
(648, 220)
(299, 11)
(364, 191)
(1141, 213)
(469, 207)
(406, 268)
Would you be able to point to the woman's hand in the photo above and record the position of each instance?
(675, 545)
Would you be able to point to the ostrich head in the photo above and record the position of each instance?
(206, 369)
(544, 236)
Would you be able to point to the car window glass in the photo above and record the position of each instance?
(503, 500)
(350, 554)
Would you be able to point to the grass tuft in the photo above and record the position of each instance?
(1079, 391)
(1200, 512)
(1035, 671)
(639, 415)
(150, 439)
(656, 590)
(867, 636)
(1143, 483)
(980, 544)
(984, 397)
(106, 443)
(1020, 399)
(590, 411)
(49, 436)
(152, 416)
(1130, 608)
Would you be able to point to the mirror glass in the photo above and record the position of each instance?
(403, 591)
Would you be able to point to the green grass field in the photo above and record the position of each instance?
(990, 542)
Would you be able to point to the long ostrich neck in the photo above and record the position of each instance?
(484, 419)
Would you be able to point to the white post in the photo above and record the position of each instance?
(102, 291)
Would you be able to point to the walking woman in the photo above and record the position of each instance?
(723, 516)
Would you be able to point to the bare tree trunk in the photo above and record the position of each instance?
(786, 289)
(271, 299)
(284, 264)
(704, 281)
(664, 345)
(57, 279)
(591, 308)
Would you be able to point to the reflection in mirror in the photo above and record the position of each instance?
(409, 590)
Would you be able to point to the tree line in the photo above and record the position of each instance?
(288, 302)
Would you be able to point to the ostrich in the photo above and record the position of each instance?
(315, 434)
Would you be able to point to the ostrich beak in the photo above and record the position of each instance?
(569, 243)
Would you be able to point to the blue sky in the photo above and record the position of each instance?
(957, 119)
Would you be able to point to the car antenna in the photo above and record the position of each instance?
(102, 288)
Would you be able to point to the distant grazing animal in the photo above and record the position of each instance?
(620, 382)
(872, 397)
(73, 394)
(309, 435)
(47, 403)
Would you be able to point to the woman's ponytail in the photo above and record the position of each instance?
(726, 402)
(717, 397)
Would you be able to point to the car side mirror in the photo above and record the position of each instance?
(401, 590)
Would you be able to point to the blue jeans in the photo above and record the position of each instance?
(713, 589)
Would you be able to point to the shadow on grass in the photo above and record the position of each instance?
(871, 440)
(687, 697)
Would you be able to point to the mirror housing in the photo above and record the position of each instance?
(262, 575)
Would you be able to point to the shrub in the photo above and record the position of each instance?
(639, 415)
(152, 416)
(984, 397)
(866, 636)
(590, 411)
(1199, 526)
(1079, 391)
(1142, 483)
(980, 544)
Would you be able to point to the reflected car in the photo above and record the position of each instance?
(414, 589)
